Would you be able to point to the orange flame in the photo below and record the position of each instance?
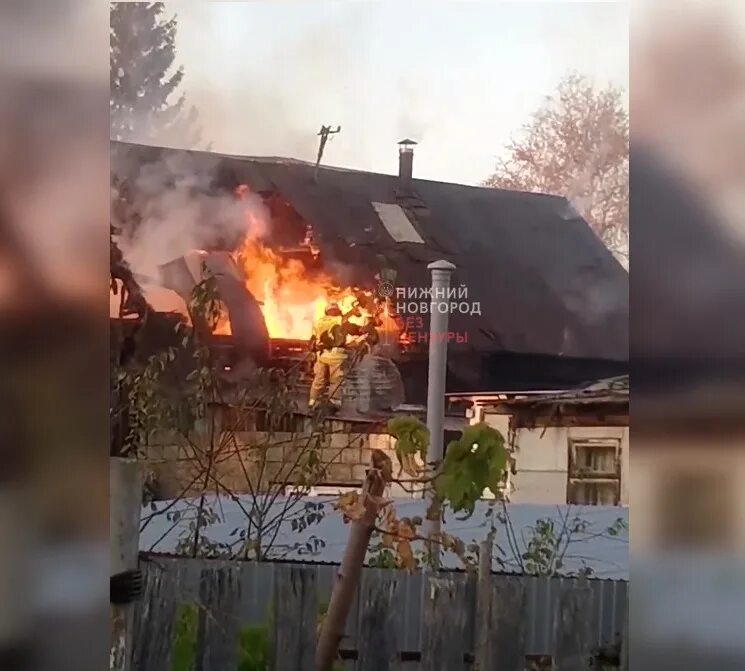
(290, 298)
(293, 296)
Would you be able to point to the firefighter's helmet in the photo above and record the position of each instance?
(333, 310)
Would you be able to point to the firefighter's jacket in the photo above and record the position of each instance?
(329, 338)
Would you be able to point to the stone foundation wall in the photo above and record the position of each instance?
(257, 461)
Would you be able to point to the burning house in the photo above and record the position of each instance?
(546, 304)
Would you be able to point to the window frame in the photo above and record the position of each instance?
(580, 476)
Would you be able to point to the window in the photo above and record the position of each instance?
(594, 476)
(448, 437)
(397, 223)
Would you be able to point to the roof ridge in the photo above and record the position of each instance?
(287, 160)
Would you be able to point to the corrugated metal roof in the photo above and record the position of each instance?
(605, 554)
(611, 390)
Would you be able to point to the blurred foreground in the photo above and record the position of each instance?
(688, 337)
(53, 432)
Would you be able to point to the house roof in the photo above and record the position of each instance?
(613, 390)
(545, 283)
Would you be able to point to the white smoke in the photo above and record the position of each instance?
(415, 116)
(580, 190)
(590, 191)
(594, 298)
(180, 210)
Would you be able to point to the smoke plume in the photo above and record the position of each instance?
(179, 210)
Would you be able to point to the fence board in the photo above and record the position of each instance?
(380, 622)
(154, 618)
(217, 633)
(170, 582)
(574, 640)
(625, 640)
(444, 624)
(502, 620)
(295, 619)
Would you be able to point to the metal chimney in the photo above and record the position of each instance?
(405, 161)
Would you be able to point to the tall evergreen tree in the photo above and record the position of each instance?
(144, 103)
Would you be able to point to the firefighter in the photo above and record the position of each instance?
(329, 343)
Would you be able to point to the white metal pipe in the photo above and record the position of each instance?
(438, 330)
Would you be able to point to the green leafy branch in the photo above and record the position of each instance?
(476, 461)
(473, 463)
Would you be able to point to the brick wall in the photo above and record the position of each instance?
(266, 460)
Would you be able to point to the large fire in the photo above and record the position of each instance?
(293, 296)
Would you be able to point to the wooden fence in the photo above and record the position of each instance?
(408, 622)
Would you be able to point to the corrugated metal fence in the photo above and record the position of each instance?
(234, 595)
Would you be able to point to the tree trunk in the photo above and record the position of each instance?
(348, 576)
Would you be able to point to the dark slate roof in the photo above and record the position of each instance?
(545, 282)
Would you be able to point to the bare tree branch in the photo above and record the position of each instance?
(576, 145)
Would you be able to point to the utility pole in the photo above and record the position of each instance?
(438, 329)
(324, 134)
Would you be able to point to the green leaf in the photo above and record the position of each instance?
(412, 436)
(472, 463)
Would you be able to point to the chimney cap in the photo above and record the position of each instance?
(407, 143)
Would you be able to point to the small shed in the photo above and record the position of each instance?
(569, 446)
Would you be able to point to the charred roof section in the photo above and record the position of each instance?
(545, 283)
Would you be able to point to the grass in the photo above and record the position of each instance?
(253, 643)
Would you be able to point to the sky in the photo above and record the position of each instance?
(460, 78)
